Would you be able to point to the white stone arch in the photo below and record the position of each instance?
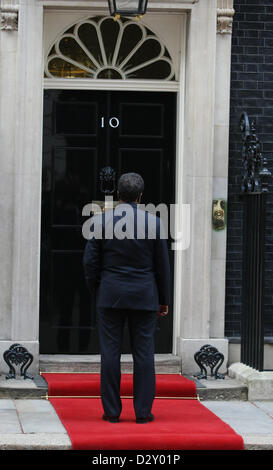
(97, 62)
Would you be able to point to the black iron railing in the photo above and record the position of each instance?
(254, 186)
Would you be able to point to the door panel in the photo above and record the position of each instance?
(148, 163)
(76, 118)
(85, 131)
(147, 120)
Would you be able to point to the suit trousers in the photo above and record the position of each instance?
(141, 324)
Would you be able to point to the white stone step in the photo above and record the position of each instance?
(164, 363)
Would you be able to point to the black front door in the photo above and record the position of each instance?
(85, 131)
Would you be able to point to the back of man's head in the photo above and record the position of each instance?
(130, 187)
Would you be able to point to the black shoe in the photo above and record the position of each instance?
(147, 419)
(111, 419)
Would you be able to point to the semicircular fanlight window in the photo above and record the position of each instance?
(102, 48)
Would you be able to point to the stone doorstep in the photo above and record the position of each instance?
(37, 388)
(259, 384)
(228, 389)
(20, 388)
(210, 389)
(164, 363)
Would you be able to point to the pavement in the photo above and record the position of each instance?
(28, 421)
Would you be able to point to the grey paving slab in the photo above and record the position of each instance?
(40, 423)
(38, 416)
(6, 404)
(9, 422)
(266, 406)
(244, 417)
(34, 406)
(34, 423)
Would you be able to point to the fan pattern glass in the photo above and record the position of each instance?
(101, 48)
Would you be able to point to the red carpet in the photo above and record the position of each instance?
(167, 385)
(180, 424)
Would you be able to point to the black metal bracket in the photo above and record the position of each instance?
(209, 356)
(18, 354)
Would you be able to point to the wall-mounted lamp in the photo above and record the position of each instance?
(120, 8)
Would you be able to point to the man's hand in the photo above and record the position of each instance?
(163, 310)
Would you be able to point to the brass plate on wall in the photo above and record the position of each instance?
(219, 211)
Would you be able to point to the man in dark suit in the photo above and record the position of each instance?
(131, 273)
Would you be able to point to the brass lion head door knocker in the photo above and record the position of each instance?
(107, 187)
(107, 180)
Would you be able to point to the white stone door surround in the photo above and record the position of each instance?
(202, 156)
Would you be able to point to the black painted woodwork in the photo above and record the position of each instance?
(75, 148)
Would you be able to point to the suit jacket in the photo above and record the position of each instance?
(132, 272)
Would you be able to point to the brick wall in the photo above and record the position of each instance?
(251, 91)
